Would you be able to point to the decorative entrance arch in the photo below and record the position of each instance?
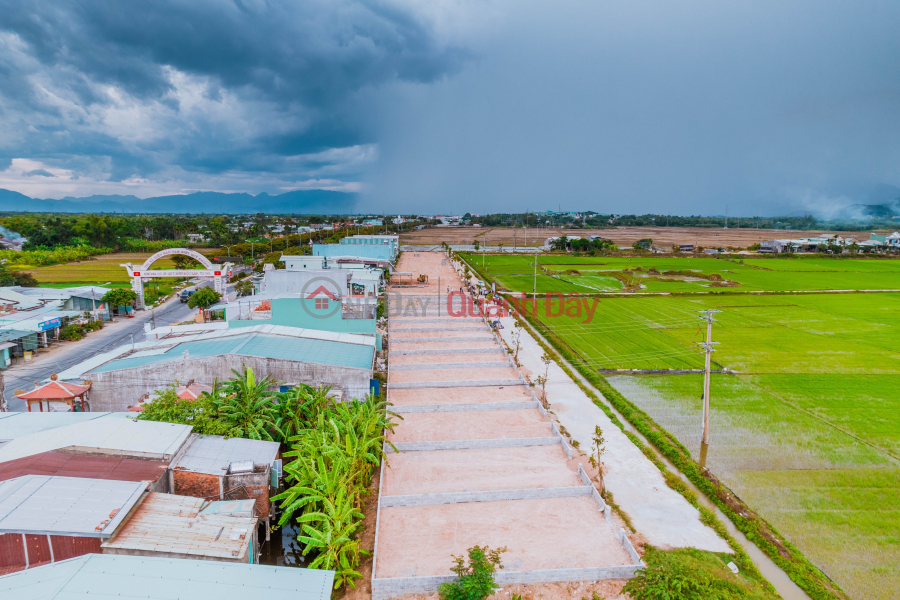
(142, 272)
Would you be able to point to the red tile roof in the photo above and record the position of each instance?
(191, 392)
(55, 390)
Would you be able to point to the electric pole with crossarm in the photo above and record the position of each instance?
(708, 346)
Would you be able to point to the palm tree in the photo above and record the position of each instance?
(248, 408)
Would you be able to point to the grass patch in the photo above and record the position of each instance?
(689, 574)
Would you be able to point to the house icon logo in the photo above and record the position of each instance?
(324, 303)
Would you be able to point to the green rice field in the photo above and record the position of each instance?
(100, 269)
(593, 274)
(806, 429)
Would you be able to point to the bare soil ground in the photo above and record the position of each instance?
(435, 359)
(624, 236)
(476, 470)
(538, 534)
(461, 395)
(475, 425)
(473, 374)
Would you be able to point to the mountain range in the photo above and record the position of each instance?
(321, 202)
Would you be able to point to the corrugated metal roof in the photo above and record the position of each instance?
(66, 464)
(244, 508)
(329, 348)
(15, 425)
(13, 334)
(173, 524)
(42, 505)
(165, 579)
(108, 435)
(213, 453)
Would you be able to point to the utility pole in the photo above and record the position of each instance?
(535, 276)
(708, 346)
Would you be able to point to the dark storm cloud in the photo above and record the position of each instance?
(312, 52)
(203, 85)
(761, 107)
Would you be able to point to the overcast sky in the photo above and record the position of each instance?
(763, 107)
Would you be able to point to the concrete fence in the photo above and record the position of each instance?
(473, 444)
(562, 440)
(396, 586)
(482, 407)
(479, 365)
(453, 384)
(488, 496)
(445, 351)
(460, 338)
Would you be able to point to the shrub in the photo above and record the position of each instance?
(689, 574)
(475, 580)
(71, 332)
(204, 298)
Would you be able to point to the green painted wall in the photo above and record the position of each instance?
(290, 312)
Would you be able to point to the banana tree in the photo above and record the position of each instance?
(248, 408)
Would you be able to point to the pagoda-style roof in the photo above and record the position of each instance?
(55, 390)
(192, 391)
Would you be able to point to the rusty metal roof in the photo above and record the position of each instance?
(64, 464)
(174, 525)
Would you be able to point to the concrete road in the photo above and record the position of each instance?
(23, 375)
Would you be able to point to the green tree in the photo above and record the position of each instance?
(202, 414)
(248, 409)
(204, 298)
(184, 262)
(119, 297)
(475, 580)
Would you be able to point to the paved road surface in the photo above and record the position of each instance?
(22, 376)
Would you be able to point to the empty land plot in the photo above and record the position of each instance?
(444, 471)
(624, 236)
(478, 425)
(418, 541)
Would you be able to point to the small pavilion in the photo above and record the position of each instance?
(55, 392)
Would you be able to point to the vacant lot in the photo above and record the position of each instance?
(101, 269)
(624, 236)
(807, 431)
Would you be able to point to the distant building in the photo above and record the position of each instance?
(891, 241)
(303, 261)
